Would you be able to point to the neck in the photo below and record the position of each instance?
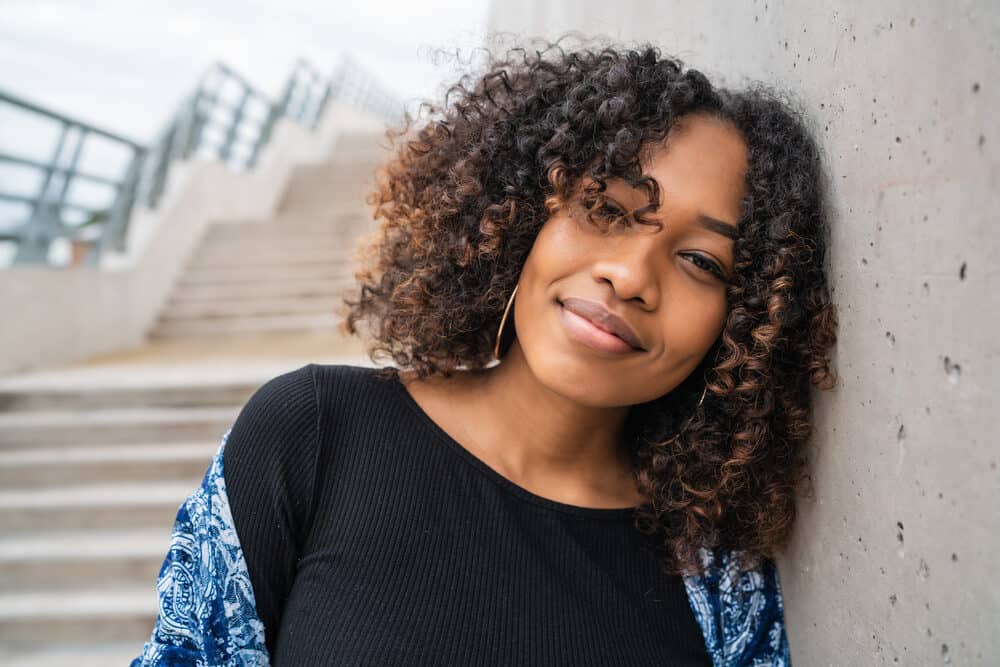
(546, 440)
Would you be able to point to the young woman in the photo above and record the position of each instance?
(644, 255)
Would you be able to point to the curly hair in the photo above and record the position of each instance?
(465, 194)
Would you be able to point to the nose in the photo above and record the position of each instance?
(630, 268)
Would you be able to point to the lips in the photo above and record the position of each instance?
(603, 319)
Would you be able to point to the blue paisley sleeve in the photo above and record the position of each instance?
(207, 616)
(741, 612)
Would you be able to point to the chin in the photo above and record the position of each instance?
(577, 380)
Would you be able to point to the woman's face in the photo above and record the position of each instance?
(660, 282)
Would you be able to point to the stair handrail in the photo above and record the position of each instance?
(45, 220)
(195, 128)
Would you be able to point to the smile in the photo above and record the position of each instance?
(585, 332)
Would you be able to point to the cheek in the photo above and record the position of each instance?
(559, 250)
(693, 320)
(557, 245)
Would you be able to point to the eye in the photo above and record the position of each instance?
(706, 265)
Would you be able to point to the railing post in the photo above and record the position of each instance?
(43, 225)
(281, 108)
(321, 106)
(116, 226)
(69, 172)
(187, 116)
(227, 147)
(264, 136)
(162, 164)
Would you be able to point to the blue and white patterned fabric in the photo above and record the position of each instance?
(741, 612)
(208, 617)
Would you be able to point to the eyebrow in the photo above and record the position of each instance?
(718, 226)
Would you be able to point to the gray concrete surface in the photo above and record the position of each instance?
(894, 557)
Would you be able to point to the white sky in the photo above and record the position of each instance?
(124, 64)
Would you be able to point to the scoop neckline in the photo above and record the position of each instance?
(601, 513)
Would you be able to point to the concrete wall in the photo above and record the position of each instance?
(894, 559)
(61, 315)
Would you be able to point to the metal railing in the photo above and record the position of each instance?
(226, 118)
(49, 205)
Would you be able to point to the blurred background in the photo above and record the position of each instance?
(181, 194)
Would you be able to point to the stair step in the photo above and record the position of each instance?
(289, 239)
(37, 467)
(348, 165)
(92, 615)
(265, 274)
(320, 199)
(300, 305)
(229, 257)
(310, 198)
(107, 506)
(191, 394)
(244, 325)
(114, 426)
(305, 203)
(352, 171)
(291, 227)
(74, 560)
(253, 291)
(48, 653)
(364, 141)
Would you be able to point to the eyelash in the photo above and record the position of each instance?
(713, 268)
(611, 212)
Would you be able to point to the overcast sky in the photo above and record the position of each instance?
(124, 64)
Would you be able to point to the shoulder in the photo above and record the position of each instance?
(273, 442)
(270, 455)
(287, 415)
(287, 393)
(281, 409)
(302, 386)
(348, 377)
(342, 390)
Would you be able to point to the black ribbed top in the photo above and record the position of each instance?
(374, 538)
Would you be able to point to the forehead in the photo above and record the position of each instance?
(701, 166)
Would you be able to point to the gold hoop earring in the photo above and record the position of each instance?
(503, 320)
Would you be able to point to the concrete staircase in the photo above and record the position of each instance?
(96, 459)
(285, 273)
(91, 482)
